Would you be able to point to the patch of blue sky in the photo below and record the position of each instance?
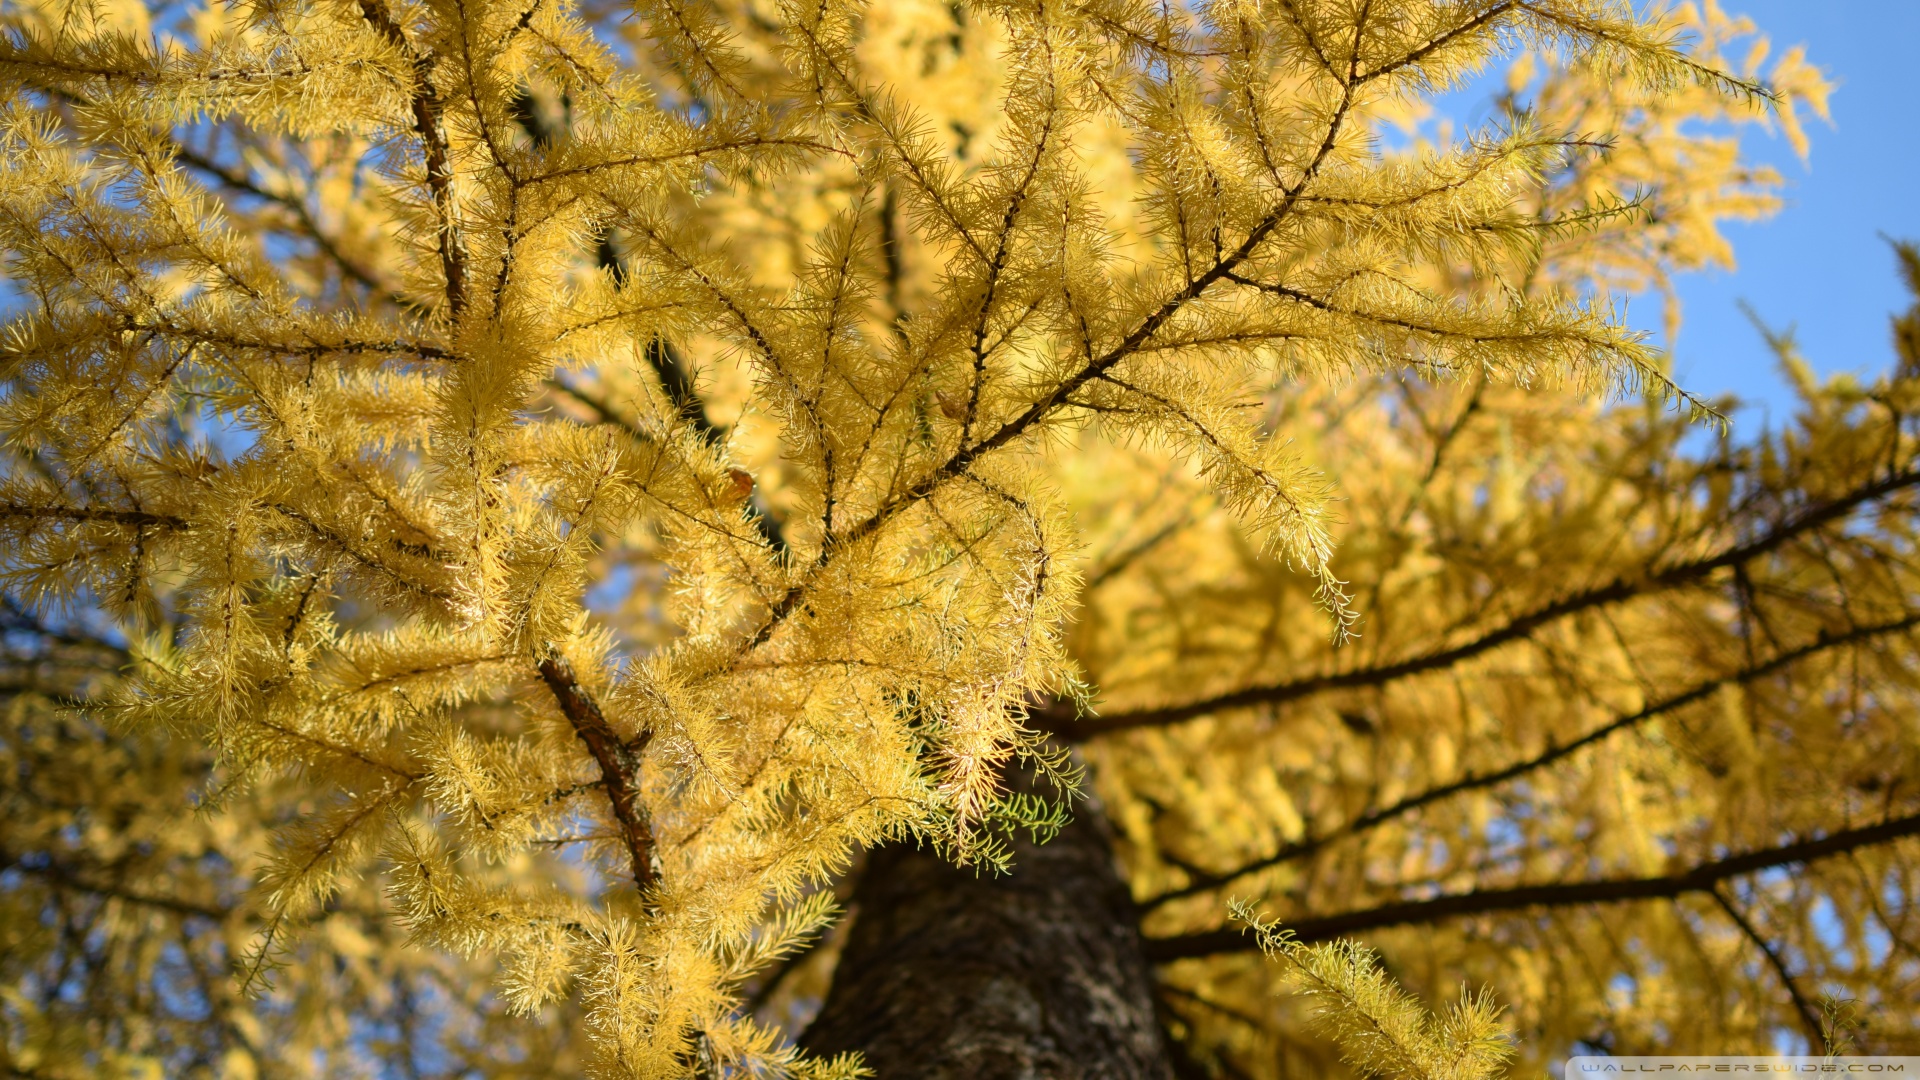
(1822, 267)
(604, 596)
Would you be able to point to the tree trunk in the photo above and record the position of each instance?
(949, 976)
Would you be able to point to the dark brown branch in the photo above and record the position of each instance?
(1425, 329)
(769, 528)
(1563, 894)
(59, 876)
(1220, 271)
(1106, 571)
(678, 384)
(339, 541)
(619, 765)
(1815, 1034)
(1063, 391)
(1476, 781)
(1438, 42)
(15, 618)
(311, 349)
(995, 267)
(671, 369)
(602, 409)
(665, 360)
(433, 143)
(695, 153)
(1521, 626)
(776, 974)
(136, 518)
(239, 181)
(890, 257)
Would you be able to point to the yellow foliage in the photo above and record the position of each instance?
(573, 475)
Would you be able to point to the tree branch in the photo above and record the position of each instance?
(1521, 626)
(60, 876)
(964, 457)
(1566, 894)
(1476, 781)
(675, 380)
(1815, 1035)
(601, 408)
(678, 384)
(136, 518)
(671, 369)
(433, 143)
(240, 182)
(619, 766)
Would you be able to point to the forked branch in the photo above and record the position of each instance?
(619, 763)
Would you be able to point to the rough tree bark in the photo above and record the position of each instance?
(950, 976)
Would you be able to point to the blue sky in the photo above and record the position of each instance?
(1821, 265)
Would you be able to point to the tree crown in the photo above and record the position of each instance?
(357, 345)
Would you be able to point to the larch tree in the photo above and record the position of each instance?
(514, 515)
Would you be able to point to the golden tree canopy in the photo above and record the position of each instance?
(524, 493)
